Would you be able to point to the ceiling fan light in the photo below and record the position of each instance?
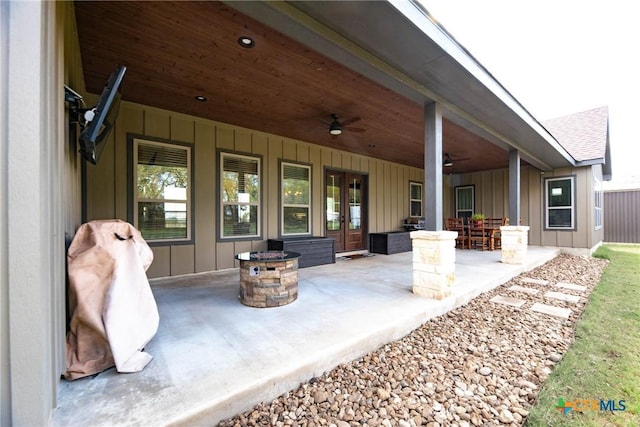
(447, 161)
(335, 128)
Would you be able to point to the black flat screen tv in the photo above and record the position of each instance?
(96, 132)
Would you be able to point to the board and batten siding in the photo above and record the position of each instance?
(388, 183)
(492, 200)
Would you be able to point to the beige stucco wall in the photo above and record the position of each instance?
(107, 183)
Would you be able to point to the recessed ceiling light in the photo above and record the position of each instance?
(246, 41)
(200, 98)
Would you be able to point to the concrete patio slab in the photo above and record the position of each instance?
(214, 357)
(551, 310)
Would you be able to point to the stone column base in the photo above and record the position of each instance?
(434, 257)
(514, 243)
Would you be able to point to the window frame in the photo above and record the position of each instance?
(412, 200)
(308, 206)
(598, 201)
(221, 204)
(473, 200)
(132, 190)
(571, 207)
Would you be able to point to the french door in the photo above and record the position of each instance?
(346, 208)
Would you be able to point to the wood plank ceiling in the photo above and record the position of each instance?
(175, 51)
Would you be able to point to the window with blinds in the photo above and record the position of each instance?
(465, 201)
(240, 196)
(296, 199)
(162, 205)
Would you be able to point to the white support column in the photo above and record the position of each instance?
(434, 262)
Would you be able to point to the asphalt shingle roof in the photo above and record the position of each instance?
(584, 135)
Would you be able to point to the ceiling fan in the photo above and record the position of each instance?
(448, 159)
(336, 127)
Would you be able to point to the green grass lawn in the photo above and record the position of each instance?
(604, 360)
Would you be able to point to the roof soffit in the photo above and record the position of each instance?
(440, 70)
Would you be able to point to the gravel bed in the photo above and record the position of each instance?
(479, 365)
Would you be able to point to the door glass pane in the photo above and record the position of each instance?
(333, 202)
(354, 204)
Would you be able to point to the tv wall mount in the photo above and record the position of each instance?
(79, 114)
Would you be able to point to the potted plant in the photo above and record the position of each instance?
(477, 219)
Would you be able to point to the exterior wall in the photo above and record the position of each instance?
(32, 216)
(492, 199)
(107, 183)
(621, 222)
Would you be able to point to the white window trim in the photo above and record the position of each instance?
(473, 199)
(598, 199)
(257, 203)
(294, 205)
(547, 208)
(411, 200)
(136, 199)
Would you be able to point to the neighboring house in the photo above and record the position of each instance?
(437, 136)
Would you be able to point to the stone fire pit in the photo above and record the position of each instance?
(268, 279)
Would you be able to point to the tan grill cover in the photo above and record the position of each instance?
(113, 311)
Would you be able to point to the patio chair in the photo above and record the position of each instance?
(492, 226)
(457, 224)
(478, 235)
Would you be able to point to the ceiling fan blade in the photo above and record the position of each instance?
(350, 121)
(350, 129)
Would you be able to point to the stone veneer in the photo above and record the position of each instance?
(514, 243)
(275, 284)
(434, 257)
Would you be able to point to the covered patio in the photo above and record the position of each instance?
(214, 357)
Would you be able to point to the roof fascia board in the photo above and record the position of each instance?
(420, 18)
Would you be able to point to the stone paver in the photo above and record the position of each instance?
(513, 302)
(551, 310)
(571, 286)
(518, 288)
(534, 281)
(562, 297)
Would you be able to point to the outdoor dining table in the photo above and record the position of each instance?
(487, 232)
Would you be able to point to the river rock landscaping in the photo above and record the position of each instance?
(479, 365)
